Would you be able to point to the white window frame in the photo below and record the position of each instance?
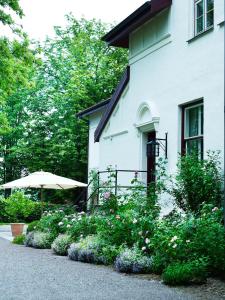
(205, 12)
(200, 135)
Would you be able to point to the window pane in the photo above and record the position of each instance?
(192, 122)
(199, 9)
(200, 25)
(210, 5)
(210, 17)
(195, 147)
(202, 119)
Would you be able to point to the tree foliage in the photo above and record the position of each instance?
(77, 70)
(6, 9)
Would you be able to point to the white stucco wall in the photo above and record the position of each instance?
(93, 148)
(166, 72)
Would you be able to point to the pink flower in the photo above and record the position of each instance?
(107, 195)
(215, 209)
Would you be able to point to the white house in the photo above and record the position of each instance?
(174, 85)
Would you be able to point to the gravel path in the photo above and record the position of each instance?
(27, 273)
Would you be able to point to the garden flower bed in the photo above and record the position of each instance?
(128, 232)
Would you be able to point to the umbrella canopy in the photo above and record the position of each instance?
(44, 180)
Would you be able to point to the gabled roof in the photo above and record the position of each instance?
(119, 35)
(112, 104)
(93, 109)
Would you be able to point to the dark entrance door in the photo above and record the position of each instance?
(151, 160)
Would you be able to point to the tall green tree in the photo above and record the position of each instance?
(6, 9)
(77, 70)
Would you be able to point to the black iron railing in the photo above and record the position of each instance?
(114, 186)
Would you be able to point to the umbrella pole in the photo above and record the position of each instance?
(42, 199)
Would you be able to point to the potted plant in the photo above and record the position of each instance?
(17, 229)
(18, 208)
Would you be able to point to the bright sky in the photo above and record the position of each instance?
(42, 15)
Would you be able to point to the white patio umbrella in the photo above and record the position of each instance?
(44, 180)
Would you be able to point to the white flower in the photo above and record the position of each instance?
(143, 248)
(134, 221)
(188, 241)
(140, 232)
(73, 220)
(175, 246)
(60, 223)
(215, 209)
(174, 238)
(147, 241)
(68, 226)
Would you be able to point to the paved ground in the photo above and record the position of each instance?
(27, 273)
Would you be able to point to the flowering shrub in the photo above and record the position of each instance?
(39, 240)
(185, 273)
(86, 250)
(82, 225)
(54, 222)
(189, 238)
(133, 261)
(61, 244)
(29, 239)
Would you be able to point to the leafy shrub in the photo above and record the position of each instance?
(90, 250)
(32, 226)
(19, 240)
(82, 225)
(78, 252)
(4, 217)
(189, 237)
(61, 244)
(29, 239)
(21, 209)
(198, 181)
(185, 273)
(39, 240)
(133, 261)
(54, 222)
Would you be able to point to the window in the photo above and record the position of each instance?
(193, 129)
(204, 15)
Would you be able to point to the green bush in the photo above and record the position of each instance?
(198, 181)
(82, 225)
(54, 222)
(19, 240)
(133, 261)
(189, 237)
(185, 273)
(92, 250)
(32, 226)
(61, 244)
(19, 208)
(42, 240)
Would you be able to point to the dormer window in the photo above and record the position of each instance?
(204, 15)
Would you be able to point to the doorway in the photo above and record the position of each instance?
(151, 160)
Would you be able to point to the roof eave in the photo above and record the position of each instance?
(119, 35)
(93, 109)
(112, 104)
